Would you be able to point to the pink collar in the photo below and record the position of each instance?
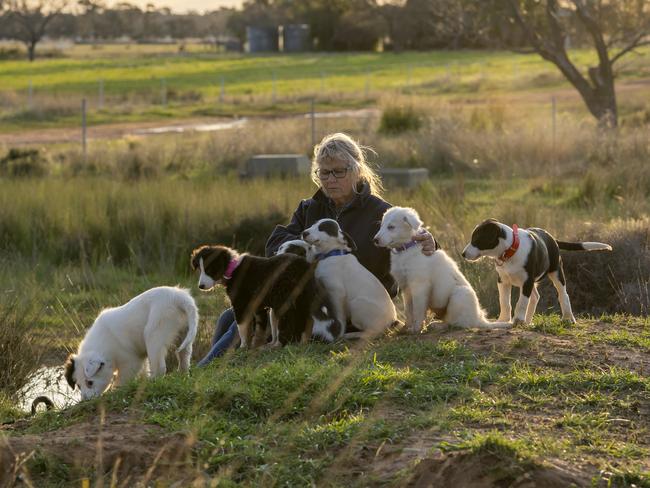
(232, 266)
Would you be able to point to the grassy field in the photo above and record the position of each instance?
(133, 83)
(547, 404)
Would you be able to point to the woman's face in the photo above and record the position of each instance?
(340, 190)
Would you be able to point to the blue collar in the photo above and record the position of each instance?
(404, 247)
(335, 252)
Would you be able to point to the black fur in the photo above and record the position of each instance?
(49, 405)
(487, 234)
(69, 371)
(284, 283)
(297, 250)
(330, 227)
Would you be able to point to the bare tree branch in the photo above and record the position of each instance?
(638, 41)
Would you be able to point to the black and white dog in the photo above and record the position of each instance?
(283, 283)
(523, 257)
(356, 295)
(326, 327)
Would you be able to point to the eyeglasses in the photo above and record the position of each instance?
(324, 174)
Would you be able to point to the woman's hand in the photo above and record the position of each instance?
(427, 241)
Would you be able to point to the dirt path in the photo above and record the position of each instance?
(154, 128)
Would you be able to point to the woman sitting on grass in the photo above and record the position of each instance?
(349, 192)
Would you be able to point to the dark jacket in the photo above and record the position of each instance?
(361, 219)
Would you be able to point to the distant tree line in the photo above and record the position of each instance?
(92, 20)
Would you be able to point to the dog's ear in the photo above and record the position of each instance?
(412, 219)
(348, 239)
(93, 366)
(69, 370)
(195, 256)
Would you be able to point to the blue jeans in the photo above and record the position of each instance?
(225, 334)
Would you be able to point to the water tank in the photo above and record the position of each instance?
(262, 39)
(296, 38)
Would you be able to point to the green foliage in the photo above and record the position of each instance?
(399, 119)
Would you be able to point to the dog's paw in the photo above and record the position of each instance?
(569, 320)
(518, 321)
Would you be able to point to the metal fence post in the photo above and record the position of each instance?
(164, 91)
(83, 130)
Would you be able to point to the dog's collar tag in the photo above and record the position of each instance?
(335, 252)
(515, 245)
(404, 247)
(232, 266)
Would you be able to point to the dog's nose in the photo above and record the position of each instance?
(464, 254)
(376, 241)
(305, 234)
(201, 286)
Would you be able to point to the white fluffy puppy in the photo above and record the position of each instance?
(428, 282)
(355, 294)
(121, 338)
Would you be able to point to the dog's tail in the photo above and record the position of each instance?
(583, 246)
(187, 304)
(486, 324)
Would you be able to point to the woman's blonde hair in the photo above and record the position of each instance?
(342, 147)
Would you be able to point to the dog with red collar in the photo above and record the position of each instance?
(524, 257)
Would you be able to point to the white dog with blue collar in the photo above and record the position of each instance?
(356, 295)
(428, 282)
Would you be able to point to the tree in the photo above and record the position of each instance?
(614, 28)
(31, 20)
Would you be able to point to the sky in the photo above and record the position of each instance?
(181, 6)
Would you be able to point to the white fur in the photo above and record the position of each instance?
(121, 338)
(355, 293)
(428, 282)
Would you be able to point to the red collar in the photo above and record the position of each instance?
(232, 266)
(515, 245)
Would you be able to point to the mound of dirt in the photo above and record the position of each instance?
(485, 470)
(131, 450)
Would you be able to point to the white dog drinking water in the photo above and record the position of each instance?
(122, 338)
(428, 282)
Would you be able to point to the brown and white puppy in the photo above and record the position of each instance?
(356, 295)
(523, 257)
(428, 282)
(283, 283)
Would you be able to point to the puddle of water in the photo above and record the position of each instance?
(179, 129)
(49, 382)
(364, 112)
(239, 123)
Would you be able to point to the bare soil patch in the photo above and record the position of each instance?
(134, 452)
(471, 470)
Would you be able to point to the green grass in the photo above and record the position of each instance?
(291, 416)
(133, 82)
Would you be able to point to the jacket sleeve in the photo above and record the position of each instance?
(284, 233)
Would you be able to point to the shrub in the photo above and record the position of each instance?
(396, 120)
(22, 162)
(20, 352)
(604, 282)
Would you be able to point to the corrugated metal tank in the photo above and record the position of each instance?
(262, 39)
(296, 38)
